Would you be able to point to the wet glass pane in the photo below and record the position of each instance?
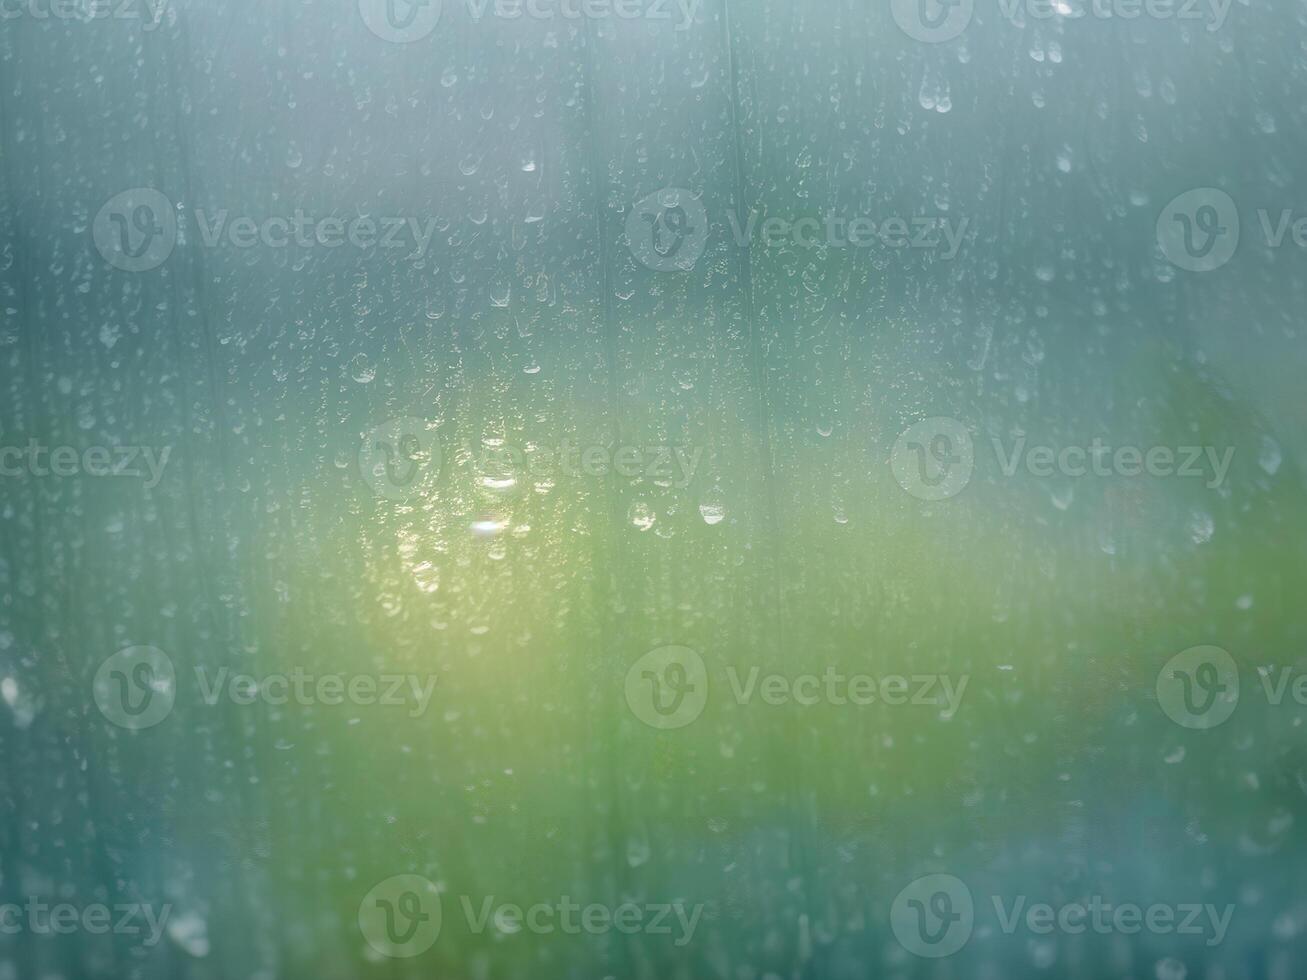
(651, 489)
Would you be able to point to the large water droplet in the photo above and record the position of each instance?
(641, 515)
(712, 512)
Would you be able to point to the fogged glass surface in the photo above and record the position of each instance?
(652, 490)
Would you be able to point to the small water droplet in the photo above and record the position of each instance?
(1270, 456)
(1201, 527)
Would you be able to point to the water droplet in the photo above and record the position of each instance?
(1270, 456)
(712, 513)
(498, 481)
(487, 526)
(190, 932)
(1043, 953)
(637, 851)
(641, 515)
(1201, 527)
(427, 577)
(361, 369)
